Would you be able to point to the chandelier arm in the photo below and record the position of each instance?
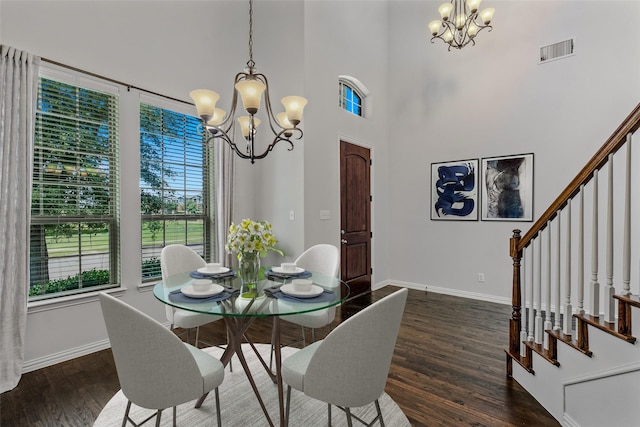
(277, 139)
(275, 126)
(228, 122)
(221, 134)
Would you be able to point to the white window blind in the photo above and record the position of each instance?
(175, 184)
(74, 228)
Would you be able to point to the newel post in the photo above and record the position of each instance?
(515, 321)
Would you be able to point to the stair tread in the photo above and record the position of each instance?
(568, 339)
(607, 327)
(542, 352)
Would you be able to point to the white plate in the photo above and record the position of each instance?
(279, 270)
(221, 270)
(213, 290)
(313, 292)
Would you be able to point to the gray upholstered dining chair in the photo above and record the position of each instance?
(349, 368)
(155, 368)
(175, 259)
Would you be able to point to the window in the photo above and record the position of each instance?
(74, 212)
(353, 96)
(175, 185)
(350, 100)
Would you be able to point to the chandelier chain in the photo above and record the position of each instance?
(250, 63)
(250, 87)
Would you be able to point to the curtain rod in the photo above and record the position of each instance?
(129, 86)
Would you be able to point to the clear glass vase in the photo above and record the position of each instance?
(248, 270)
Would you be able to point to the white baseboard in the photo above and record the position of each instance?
(445, 291)
(63, 356)
(567, 421)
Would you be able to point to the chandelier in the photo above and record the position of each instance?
(460, 22)
(251, 86)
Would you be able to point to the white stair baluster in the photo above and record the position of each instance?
(556, 324)
(531, 285)
(580, 308)
(523, 302)
(626, 248)
(539, 332)
(595, 286)
(581, 284)
(548, 325)
(567, 324)
(609, 290)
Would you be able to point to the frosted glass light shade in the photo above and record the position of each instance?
(245, 124)
(447, 36)
(294, 106)
(487, 15)
(205, 102)
(460, 21)
(283, 120)
(473, 5)
(251, 94)
(285, 123)
(472, 30)
(434, 27)
(218, 117)
(445, 10)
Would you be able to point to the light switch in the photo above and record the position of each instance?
(292, 215)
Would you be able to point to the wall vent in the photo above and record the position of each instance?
(556, 51)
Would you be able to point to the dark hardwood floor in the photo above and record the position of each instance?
(448, 370)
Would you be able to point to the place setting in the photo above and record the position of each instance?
(300, 290)
(287, 270)
(213, 270)
(200, 291)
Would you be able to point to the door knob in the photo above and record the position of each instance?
(343, 241)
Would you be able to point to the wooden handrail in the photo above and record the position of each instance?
(615, 141)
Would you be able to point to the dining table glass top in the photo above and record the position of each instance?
(276, 295)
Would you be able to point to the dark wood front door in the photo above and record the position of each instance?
(355, 216)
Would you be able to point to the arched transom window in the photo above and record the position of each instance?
(351, 95)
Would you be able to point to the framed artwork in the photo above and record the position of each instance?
(507, 188)
(454, 190)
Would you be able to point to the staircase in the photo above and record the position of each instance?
(572, 338)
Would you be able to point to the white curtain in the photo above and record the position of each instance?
(18, 96)
(224, 159)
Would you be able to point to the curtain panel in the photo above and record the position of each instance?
(18, 98)
(224, 159)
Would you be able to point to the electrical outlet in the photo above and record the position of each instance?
(480, 277)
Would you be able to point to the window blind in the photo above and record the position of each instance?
(74, 208)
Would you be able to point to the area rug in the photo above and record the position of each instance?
(240, 407)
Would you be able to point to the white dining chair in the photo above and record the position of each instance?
(349, 368)
(323, 259)
(155, 368)
(175, 259)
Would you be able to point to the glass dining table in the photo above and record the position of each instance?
(275, 298)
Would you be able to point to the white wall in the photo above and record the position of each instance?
(345, 38)
(494, 99)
